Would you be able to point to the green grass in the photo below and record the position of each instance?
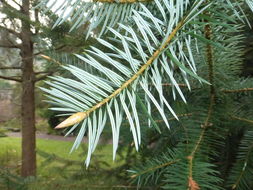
(12, 145)
(56, 167)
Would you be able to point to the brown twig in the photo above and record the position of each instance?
(10, 78)
(169, 84)
(10, 46)
(44, 76)
(7, 68)
(242, 119)
(50, 59)
(42, 72)
(237, 90)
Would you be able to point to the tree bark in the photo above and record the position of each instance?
(28, 167)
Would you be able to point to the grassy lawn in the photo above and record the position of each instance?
(57, 167)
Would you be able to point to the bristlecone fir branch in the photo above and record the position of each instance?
(78, 117)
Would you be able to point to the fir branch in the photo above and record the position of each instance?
(43, 77)
(181, 115)
(78, 117)
(173, 118)
(10, 78)
(50, 59)
(42, 72)
(209, 53)
(7, 68)
(250, 148)
(238, 90)
(201, 137)
(204, 127)
(169, 84)
(155, 168)
(48, 50)
(10, 46)
(242, 119)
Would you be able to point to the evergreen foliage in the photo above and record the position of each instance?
(152, 58)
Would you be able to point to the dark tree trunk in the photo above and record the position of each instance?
(28, 103)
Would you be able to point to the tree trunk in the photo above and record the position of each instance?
(28, 103)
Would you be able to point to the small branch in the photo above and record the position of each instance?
(10, 46)
(50, 59)
(173, 118)
(54, 49)
(10, 78)
(204, 126)
(155, 168)
(169, 84)
(7, 68)
(238, 90)
(44, 76)
(234, 186)
(17, 4)
(242, 119)
(181, 115)
(42, 72)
